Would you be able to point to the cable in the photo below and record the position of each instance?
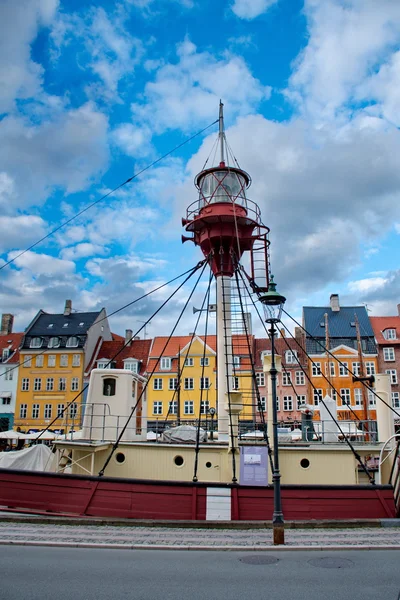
(81, 212)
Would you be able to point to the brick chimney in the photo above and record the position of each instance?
(67, 308)
(128, 337)
(334, 302)
(7, 322)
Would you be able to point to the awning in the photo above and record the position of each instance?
(5, 394)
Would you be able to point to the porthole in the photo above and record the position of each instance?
(120, 457)
(178, 460)
(208, 465)
(304, 463)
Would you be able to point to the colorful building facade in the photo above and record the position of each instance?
(9, 366)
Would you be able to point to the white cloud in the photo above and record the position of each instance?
(250, 9)
(42, 264)
(20, 231)
(367, 285)
(133, 140)
(81, 251)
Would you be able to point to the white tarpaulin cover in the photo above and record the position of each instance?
(11, 435)
(183, 433)
(36, 458)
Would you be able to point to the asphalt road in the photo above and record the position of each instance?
(28, 573)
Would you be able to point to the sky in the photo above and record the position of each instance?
(91, 92)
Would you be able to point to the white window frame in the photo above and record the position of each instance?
(345, 395)
(301, 400)
(54, 342)
(131, 365)
(173, 383)
(73, 410)
(204, 383)
(263, 401)
(356, 368)
(74, 384)
(157, 383)
(390, 334)
(300, 379)
(188, 407)
(343, 372)
(165, 363)
(35, 411)
(5, 354)
(157, 407)
(60, 411)
(37, 384)
(36, 342)
(291, 357)
(49, 384)
(371, 398)
(393, 375)
(27, 361)
(286, 378)
(204, 362)
(370, 368)
(316, 369)
(173, 407)
(204, 407)
(288, 403)
(358, 397)
(51, 360)
(260, 379)
(64, 360)
(389, 354)
(317, 394)
(62, 384)
(189, 383)
(72, 342)
(236, 383)
(47, 411)
(76, 360)
(396, 399)
(9, 373)
(25, 384)
(236, 361)
(23, 411)
(189, 362)
(39, 360)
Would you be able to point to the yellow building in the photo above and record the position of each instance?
(55, 352)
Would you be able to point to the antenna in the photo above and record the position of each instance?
(221, 133)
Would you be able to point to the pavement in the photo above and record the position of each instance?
(23, 530)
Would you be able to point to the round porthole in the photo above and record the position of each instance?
(304, 463)
(120, 457)
(178, 460)
(208, 465)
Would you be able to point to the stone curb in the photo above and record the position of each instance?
(194, 547)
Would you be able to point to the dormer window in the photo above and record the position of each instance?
(50, 326)
(291, 357)
(36, 342)
(236, 361)
(5, 354)
(65, 325)
(165, 364)
(72, 342)
(54, 342)
(81, 324)
(103, 363)
(131, 364)
(389, 334)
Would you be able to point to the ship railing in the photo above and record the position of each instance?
(394, 478)
(252, 209)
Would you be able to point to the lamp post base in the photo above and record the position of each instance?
(279, 534)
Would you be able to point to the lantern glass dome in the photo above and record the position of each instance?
(222, 185)
(272, 302)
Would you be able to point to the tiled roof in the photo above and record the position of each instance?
(339, 322)
(138, 349)
(176, 343)
(12, 341)
(379, 324)
(47, 325)
(117, 338)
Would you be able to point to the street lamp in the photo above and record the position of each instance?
(273, 303)
(212, 412)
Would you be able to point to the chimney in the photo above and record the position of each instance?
(7, 321)
(334, 302)
(283, 332)
(398, 309)
(128, 337)
(68, 308)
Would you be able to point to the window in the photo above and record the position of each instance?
(332, 394)
(6, 400)
(189, 362)
(36, 342)
(390, 334)
(345, 396)
(47, 411)
(51, 360)
(395, 400)
(262, 404)
(204, 383)
(332, 372)
(388, 354)
(393, 375)
(204, 362)
(64, 360)
(27, 361)
(317, 395)
(50, 326)
(5, 354)
(371, 398)
(358, 397)
(157, 408)
(173, 383)
(188, 407)
(49, 384)
(316, 369)
(343, 369)
(165, 364)
(109, 384)
(60, 410)
(25, 384)
(299, 378)
(9, 374)
(76, 360)
(35, 411)
(74, 384)
(39, 360)
(236, 361)
(204, 407)
(355, 367)
(23, 411)
(157, 383)
(72, 342)
(131, 365)
(236, 384)
(286, 379)
(277, 403)
(62, 384)
(37, 384)
(173, 407)
(54, 342)
(73, 410)
(189, 383)
(291, 357)
(65, 325)
(370, 368)
(287, 403)
(103, 364)
(260, 379)
(301, 401)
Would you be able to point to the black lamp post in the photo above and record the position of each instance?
(273, 303)
(212, 415)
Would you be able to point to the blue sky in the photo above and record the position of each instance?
(91, 92)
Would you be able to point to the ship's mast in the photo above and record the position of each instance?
(221, 134)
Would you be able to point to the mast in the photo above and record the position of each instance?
(327, 354)
(221, 133)
(362, 370)
(178, 390)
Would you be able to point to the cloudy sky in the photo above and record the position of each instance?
(93, 91)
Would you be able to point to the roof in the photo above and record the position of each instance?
(177, 343)
(379, 324)
(281, 347)
(117, 338)
(139, 349)
(339, 322)
(48, 325)
(12, 341)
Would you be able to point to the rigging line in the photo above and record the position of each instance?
(254, 378)
(356, 455)
(110, 315)
(196, 268)
(116, 444)
(234, 478)
(81, 212)
(188, 350)
(197, 447)
(343, 364)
